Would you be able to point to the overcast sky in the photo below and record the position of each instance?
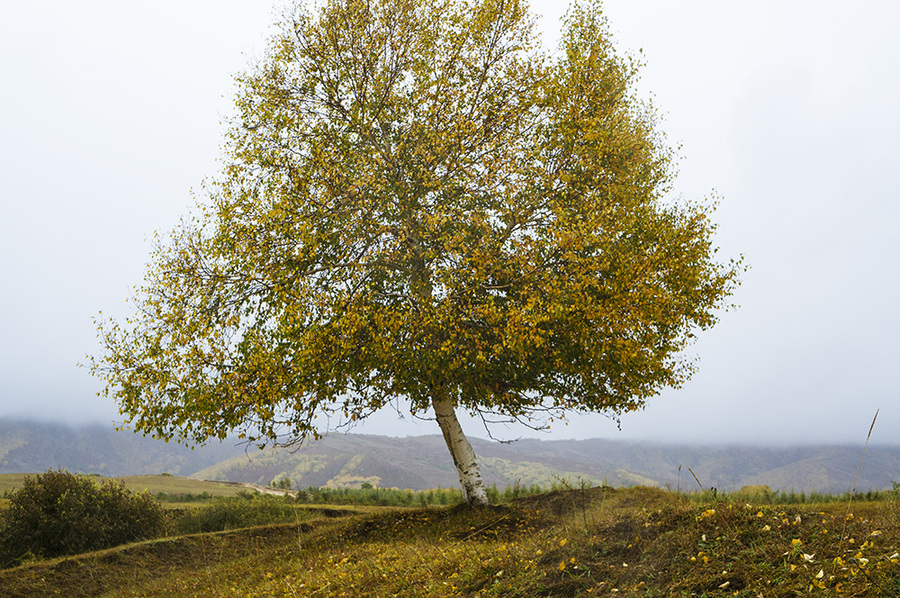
(112, 111)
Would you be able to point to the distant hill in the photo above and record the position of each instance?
(423, 462)
(30, 447)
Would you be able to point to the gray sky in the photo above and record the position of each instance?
(111, 113)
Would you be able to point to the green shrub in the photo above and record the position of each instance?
(245, 510)
(58, 513)
(379, 496)
(186, 497)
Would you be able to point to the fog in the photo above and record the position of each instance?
(112, 113)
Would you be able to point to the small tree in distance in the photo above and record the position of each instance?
(420, 203)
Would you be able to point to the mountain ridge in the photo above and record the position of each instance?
(422, 462)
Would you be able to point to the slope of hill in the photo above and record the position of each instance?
(416, 462)
(633, 542)
(422, 462)
(29, 447)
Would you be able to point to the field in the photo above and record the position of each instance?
(581, 542)
(154, 484)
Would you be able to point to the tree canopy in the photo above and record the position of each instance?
(421, 203)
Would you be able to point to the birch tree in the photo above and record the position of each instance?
(422, 206)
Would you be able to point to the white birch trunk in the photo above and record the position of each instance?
(461, 451)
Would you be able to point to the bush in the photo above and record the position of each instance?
(58, 513)
(187, 497)
(245, 510)
(380, 496)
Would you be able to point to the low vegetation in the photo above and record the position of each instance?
(173, 487)
(395, 497)
(248, 510)
(58, 513)
(578, 542)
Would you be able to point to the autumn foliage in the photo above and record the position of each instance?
(422, 204)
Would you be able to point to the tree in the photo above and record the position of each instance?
(421, 204)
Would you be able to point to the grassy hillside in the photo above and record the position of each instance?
(10, 481)
(625, 542)
(154, 484)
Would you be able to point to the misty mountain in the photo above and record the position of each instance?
(31, 447)
(422, 462)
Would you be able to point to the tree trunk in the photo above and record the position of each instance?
(462, 453)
